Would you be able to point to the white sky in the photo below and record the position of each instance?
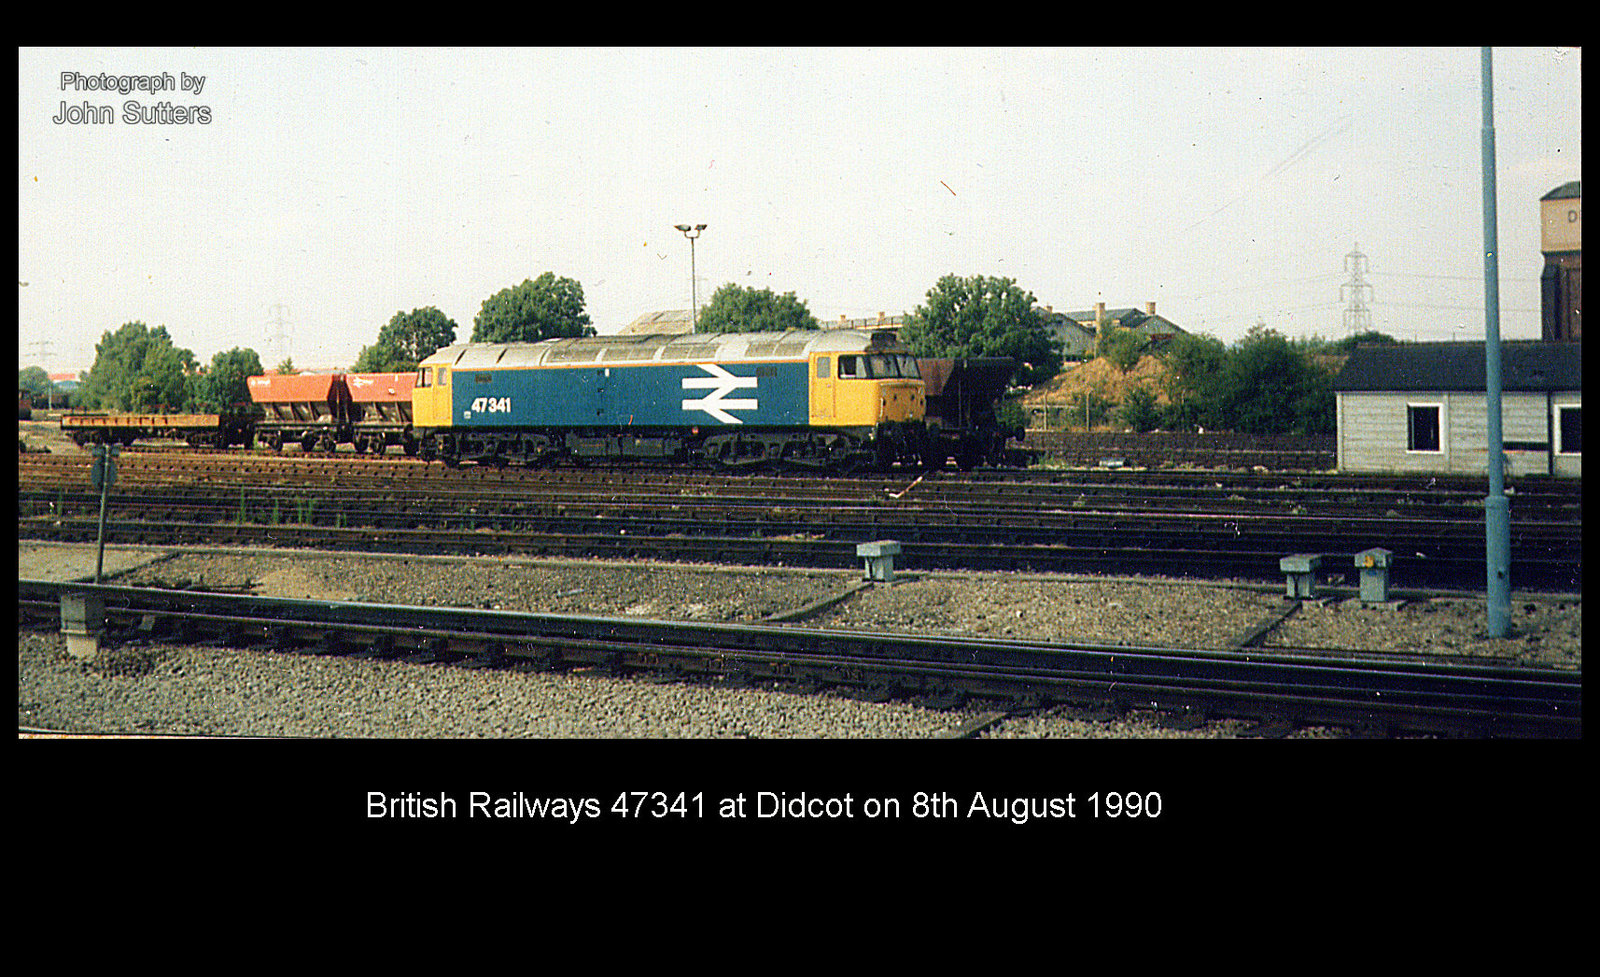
(1226, 185)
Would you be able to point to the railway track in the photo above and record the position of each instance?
(1084, 543)
(1387, 693)
(1175, 489)
(1235, 530)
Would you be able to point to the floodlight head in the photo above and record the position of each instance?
(681, 227)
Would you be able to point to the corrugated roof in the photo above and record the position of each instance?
(673, 321)
(1524, 365)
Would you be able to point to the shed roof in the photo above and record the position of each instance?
(1524, 366)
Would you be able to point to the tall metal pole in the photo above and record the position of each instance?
(694, 284)
(1496, 509)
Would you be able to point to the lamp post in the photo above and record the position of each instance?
(694, 288)
(1496, 508)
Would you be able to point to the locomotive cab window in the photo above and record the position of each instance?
(444, 375)
(422, 376)
(823, 364)
(878, 366)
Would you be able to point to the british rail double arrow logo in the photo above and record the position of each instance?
(721, 383)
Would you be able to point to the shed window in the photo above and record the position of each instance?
(1570, 421)
(1422, 423)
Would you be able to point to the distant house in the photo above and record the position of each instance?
(1420, 407)
(1077, 342)
(1079, 331)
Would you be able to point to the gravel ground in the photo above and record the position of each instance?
(188, 690)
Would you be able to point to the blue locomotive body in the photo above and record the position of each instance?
(829, 399)
(772, 394)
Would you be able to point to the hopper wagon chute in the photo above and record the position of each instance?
(380, 411)
(309, 409)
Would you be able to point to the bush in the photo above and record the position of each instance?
(1139, 410)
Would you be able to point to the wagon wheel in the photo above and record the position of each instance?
(379, 446)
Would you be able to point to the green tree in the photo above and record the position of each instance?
(543, 308)
(1268, 387)
(1139, 410)
(984, 316)
(1121, 347)
(226, 383)
(137, 368)
(407, 339)
(286, 367)
(737, 309)
(37, 382)
(1194, 363)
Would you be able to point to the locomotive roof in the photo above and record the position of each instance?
(691, 348)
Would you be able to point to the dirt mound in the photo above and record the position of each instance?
(1102, 379)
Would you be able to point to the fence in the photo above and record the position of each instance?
(1162, 449)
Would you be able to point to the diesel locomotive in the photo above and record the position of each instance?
(831, 400)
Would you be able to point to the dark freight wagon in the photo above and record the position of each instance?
(961, 397)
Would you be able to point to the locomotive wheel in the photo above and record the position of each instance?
(379, 446)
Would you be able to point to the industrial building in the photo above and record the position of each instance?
(1561, 240)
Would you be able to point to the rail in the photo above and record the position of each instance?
(1394, 692)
